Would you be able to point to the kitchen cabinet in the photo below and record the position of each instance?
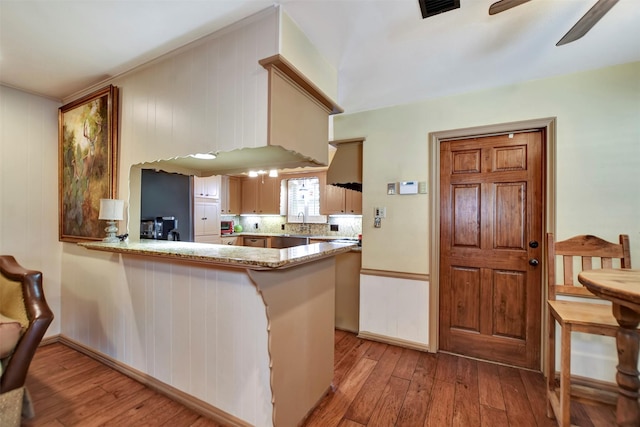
(230, 240)
(206, 222)
(256, 242)
(207, 187)
(230, 195)
(338, 200)
(261, 196)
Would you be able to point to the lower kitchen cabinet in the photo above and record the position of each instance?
(233, 240)
(348, 267)
(256, 242)
(206, 222)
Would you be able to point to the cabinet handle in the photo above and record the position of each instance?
(204, 219)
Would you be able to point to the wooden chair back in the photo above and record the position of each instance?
(38, 317)
(587, 248)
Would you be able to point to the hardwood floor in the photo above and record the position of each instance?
(71, 389)
(376, 385)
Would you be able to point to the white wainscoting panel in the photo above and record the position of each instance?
(395, 308)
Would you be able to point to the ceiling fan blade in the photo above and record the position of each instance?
(502, 5)
(589, 19)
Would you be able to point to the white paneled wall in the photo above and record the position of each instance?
(200, 330)
(29, 188)
(211, 96)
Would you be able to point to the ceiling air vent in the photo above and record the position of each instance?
(434, 7)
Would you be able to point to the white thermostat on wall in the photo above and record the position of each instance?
(408, 187)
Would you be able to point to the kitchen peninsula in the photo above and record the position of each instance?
(296, 322)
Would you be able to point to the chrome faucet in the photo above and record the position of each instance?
(303, 226)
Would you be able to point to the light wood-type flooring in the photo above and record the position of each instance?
(375, 385)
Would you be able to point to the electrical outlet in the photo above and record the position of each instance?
(333, 227)
(281, 226)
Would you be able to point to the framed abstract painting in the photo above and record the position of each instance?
(87, 163)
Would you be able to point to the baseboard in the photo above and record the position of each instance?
(393, 341)
(49, 340)
(203, 408)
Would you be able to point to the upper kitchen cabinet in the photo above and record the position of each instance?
(207, 187)
(261, 196)
(298, 112)
(230, 196)
(341, 201)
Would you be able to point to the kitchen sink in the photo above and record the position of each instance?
(288, 241)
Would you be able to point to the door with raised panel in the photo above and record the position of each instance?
(491, 219)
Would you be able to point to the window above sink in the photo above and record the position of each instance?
(303, 201)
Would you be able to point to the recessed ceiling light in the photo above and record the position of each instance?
(203, 156)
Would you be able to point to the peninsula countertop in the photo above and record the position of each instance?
(230, 256)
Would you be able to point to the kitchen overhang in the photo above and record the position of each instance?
(236, 162)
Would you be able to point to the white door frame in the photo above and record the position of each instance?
(549, 188)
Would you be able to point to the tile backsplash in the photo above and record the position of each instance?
(348, 226)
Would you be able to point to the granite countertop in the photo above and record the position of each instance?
(229, 256)
(310, 236)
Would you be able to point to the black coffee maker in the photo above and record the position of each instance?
(160, 228)
(164, 227)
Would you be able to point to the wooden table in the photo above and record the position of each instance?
(622, 288)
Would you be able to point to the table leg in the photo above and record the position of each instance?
(627, 341)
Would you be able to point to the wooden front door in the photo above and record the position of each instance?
(491, 215)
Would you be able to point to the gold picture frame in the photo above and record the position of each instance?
(87, 163)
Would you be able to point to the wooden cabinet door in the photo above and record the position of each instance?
(250, 196)
(269, 196)
(491, 215)
(224, 195)
(230, 195)
(353, 202)
(334, 200)
(233, 196)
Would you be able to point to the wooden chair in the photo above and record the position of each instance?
(586, 315)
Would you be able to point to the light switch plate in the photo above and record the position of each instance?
(380, 212)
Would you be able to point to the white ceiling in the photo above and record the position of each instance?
(385, 53)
